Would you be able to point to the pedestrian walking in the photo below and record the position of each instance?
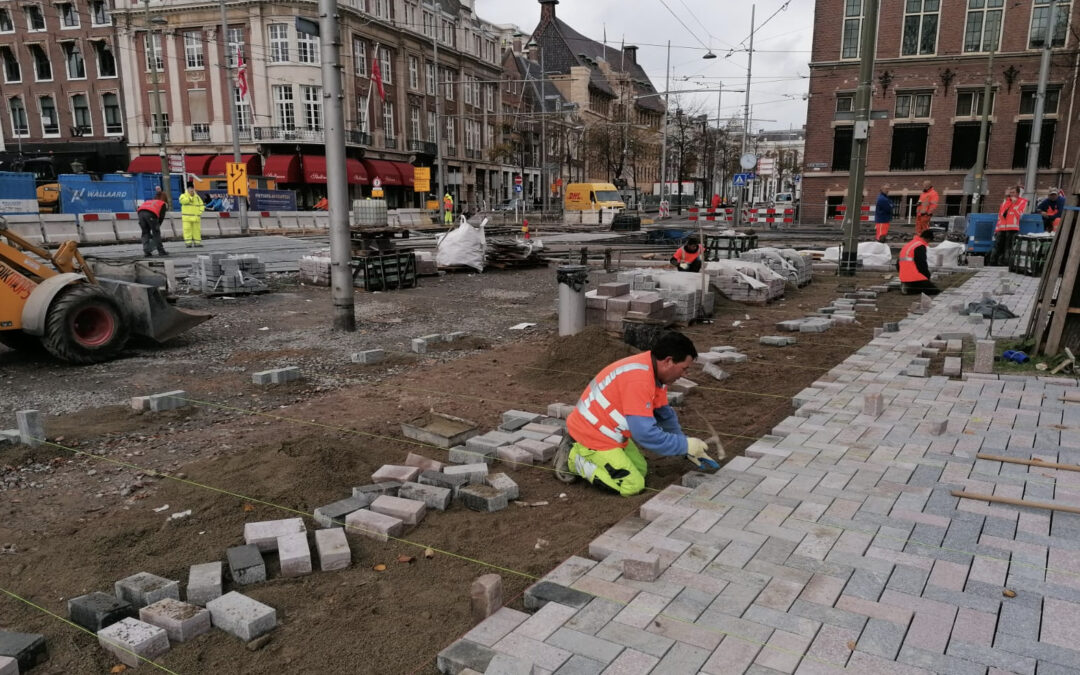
(883, 212)
(928, 203)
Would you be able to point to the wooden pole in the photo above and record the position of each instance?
(1015, 502)
(1030, 462)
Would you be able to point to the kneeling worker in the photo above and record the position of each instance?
(625, 408)
(914, 271)
(688, 257)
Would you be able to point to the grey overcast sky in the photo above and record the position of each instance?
(781, 47)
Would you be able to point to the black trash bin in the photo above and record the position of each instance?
(625, 222)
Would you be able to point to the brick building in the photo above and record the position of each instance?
(928, 80)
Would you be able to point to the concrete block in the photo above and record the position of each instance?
(295, 554)
(369, 356)
(395, 472)
(433, 496)
(984, 356)
(892, 327)
(975, 318)
(873, 405)
(676, 398)
(954, 346)
(476, 473)
(180, 620)
(374, 525)
(452, 482)
(372, 491)
(504, 484)
(170, 400)
(28, 649)
(953, 366)
(612, 290)
(790, 326)
(246, 565)
(333, 549)
(265, 533)
(878, 332)
(815, 325)
(482, 498)
(776, 340)
(915, 371)
(723, 348)
(515, 455)
(504, 664)
(204, 582)
(333, 515)
(486, 596)
(131, 640)
(96, 610)
(31, 428)
(241, 616)
(937, 427)
(423, 463)
(542, 451)
(463, 454)
(543, 592)
(462, 656)
(455, 336)
(8, 666)
(708, 357)
(513, 416)
(140, 403)
(559, 410)
(408, 511)
(716, 372)
(418, 345)
(262, 377)
(682, 385)
(641, 566)
(732, 357)
(433, 338)
(144, 589)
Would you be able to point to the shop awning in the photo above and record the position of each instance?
(358, 175)
(314, 169)
(406, 171)
(197, 164)
(217, 164)
(386, 171)
(285, 168)
(145, 164)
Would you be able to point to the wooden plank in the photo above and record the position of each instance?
(1050, 506)
(1029, 462)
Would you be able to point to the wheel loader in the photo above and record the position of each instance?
(56, 301)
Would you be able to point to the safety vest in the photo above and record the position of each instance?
(909, 273)
(448, 202)
(154, 206)
(928, 202)
(1009, 215)
(684, 256)
(191, 205)
(626, 387)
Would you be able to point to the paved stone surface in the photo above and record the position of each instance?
(834, 544)
(204, 582)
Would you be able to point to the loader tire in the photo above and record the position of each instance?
(84, 325)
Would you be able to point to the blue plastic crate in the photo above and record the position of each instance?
(980, 232)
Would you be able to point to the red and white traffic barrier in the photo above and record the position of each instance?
(864, 216)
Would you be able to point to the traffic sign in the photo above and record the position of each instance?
(236, 179)
(421, 185)
(376, 183)
(741, 179)
(421, 173)
(748, 161)
(797, 177)
(517, 188)
(176, 163)
(517, 181)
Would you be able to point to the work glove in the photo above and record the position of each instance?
(684, 266)
(697, 452)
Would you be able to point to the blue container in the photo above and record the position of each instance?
(980, 232)
(145, 183)
(1031, 223)
(18, 193)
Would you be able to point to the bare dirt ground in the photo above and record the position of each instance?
(81, 513)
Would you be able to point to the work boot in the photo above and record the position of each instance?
(198, 244)
(163, 254)
(561, 463)
(188, 245)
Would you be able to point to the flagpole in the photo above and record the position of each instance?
(370, 84)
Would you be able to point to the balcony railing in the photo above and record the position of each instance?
(474, 154)
(354, 137)
(389, 143)
(422, 147)
(288, 134)
(200, 132)
(451, 150)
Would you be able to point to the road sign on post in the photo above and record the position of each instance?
(421, 179)
(176, 164)
(376, 187)
(236, 179)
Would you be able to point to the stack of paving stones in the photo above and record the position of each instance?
(796, 268)
(315, 269)
(610, 304)
(671, 287)
(222, 273)
(746, 281)
(420, 345)
(834, 544)
(276, 376)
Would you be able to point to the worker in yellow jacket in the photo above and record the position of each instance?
(191, 208)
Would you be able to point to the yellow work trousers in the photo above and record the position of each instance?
(192, 229)
(620, 469)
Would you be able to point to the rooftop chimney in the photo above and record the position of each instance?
(631, 53)
(547, 10)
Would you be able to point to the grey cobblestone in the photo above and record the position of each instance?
(882, 638)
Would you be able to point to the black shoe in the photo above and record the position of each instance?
(163, 254)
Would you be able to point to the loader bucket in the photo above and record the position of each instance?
(148, 312)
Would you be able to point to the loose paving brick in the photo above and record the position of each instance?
(641, 566)
(432, 496)
(143, 589)
(474, 473)
(423, 463)
(463, 655)
(8, 666)
(264, 534)
(483, 498)
(776, 340)
(204, 582)
(543, 592)
(246, 564)
(369, 356)
(463, 454)
(333, 549)
(170, 400)
(181, 621)
(486, 596)
(31, 427)
(97, 610)
(374, 490)
(333, 515)
(452, 482)
(242, 616)
(395, 473)
(408, 511)
(294, 554)
(131, 640)
(374, 525)
(28, 649)
(504, 484)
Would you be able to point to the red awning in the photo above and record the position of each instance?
(145, 164)
(386, 171)
(357, 173)
(314, 169)
(406, 171)
(197, 164)
(217, 164)
(285, 168)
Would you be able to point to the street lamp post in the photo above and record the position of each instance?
(158, 126)
(241, 201)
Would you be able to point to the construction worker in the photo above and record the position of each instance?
(624, 408)
(883, 212)
(448, 207)
(688, 257)
(1051, 209)
(1008, 226)
(913, 268)
(928, 203)
(191, 208)
(151, 213)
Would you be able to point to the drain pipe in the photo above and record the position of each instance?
(572, 280)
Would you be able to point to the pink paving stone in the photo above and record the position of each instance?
(640, 611)
(779, 594)
(641, 567)
(874, 610)
(408, 511)
(1063, 628)
(373, 525)
(496, 627)
(1063, 567)
(823, 590)
(702, 520)
(631, 662)
(949, 575)
(513, 455)
(783, 651)
(392, 472)
(919, 517)
(423, 463)
(831, 646)
(974, 627)
(861, 662)
(534, 651)
(486, 596)
(989, 570)
(684, 631)
(701, 582)
(605, 589)
(932, 624)
(732, 657)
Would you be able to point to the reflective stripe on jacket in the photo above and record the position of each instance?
(928, 202)
(1009, 215)
(624, 388)
(908, 271)
(154, 206)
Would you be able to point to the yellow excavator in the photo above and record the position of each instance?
(54, 300)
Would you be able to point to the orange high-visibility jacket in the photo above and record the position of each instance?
(928, 202)
(154, 206)
(684, 256)
(626, 387)
(908, 271)
(1009, 215)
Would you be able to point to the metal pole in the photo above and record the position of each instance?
(717, 177)
(438, 123)
(746, 117)
(663, 145)
(158, 126)
(859, 139)
(337, 186)
(242, 202)
(980, 155)
(543, 135)
(1040, 106)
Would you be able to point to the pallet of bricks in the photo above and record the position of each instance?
(648, 296)
(787, 262)
(745, 281)
(220, 274)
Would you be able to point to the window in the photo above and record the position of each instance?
(193, 52)
(1027, 101)
(429, 24)
(80, 115)
(849, 47)
(841, 153)
(76, 67)
(909, 148)
(965, 145)
(920, 27)
(845, 104)
(451, 133)
(969, 103)
(69, 18)
(912, 106)
(1040, 20)
(466, 89)
(1023, 137)
(431, 128)
(154, 57)
(362, 112)
(448, 76)
(284, 106)
(99, 13)
(386, 60)
(388, 120)
(982, 31)
(489, 97)
(359, 50)
(243, 111)
(279, 42)
(114, 121)
(42, 65)
(312, 100)
(414, 123)
(12, 70)
(382, 9)
(414, 73)
(235, 46)
(50, 121)
(489, 136)
(105, 61)
(35, 20)
(429, 78)
(20, 126)
(5, 22)
(307, 48)
(159, 124)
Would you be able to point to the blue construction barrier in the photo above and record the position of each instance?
(980, 230)
(18, 193)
